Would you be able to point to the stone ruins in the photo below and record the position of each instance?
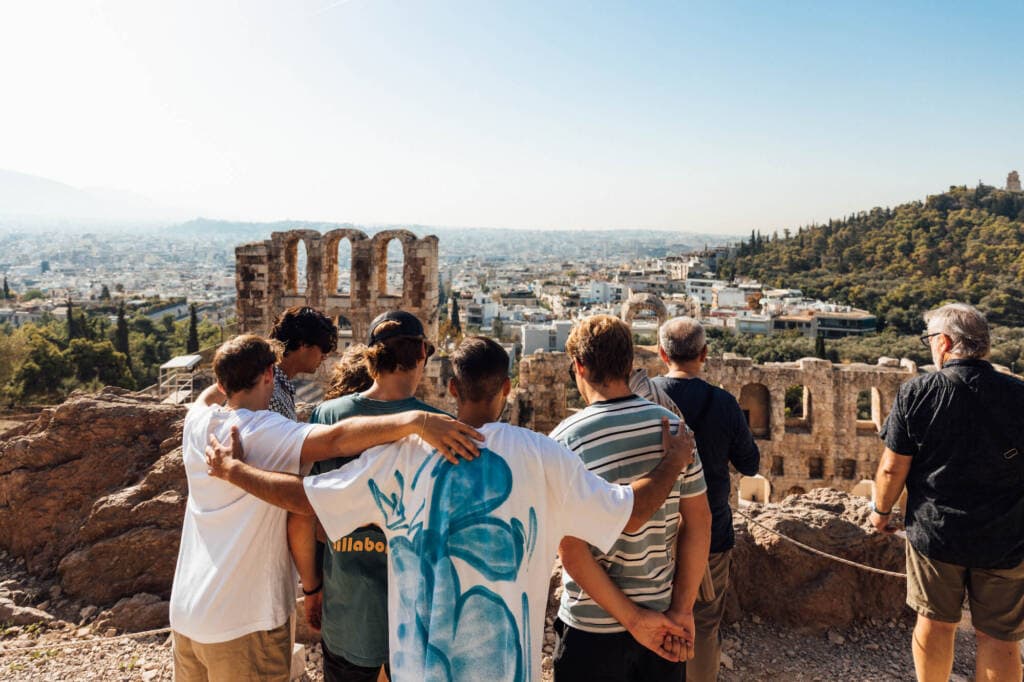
(816, 423)
(1013, 181)
(92, 492)
(830, 440)
(267, 278)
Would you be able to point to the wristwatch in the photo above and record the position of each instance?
(878, 511)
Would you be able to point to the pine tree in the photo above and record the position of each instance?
(105, 293)
(456, 324)
(121, 335)
(192, 345)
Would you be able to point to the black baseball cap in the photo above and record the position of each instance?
(408, 326)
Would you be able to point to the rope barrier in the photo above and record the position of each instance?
(813, 550)
(82, 642)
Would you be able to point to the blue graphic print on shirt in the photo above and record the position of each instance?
(450, 634)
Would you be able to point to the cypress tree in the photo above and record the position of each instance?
(71, 319)
(121, 335)
(7, 290)
(819, 348)
(192, 345)
(456, 324)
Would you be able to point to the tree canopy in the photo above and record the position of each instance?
(964, 245)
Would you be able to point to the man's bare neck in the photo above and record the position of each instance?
(247, 400)
(609, 391)
(475, 416)
(395, 386)
(289, 365)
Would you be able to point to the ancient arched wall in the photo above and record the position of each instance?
(266, 277)
(835, 451)
(639, 302)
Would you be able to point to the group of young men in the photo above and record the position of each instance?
(424, 543)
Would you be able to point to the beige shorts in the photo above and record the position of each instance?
(996, 596)
(263, 655)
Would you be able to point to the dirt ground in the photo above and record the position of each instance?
(68, 648)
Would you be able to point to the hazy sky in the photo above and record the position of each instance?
(716, 117)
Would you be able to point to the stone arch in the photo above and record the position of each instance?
(640, 302)
(756, 403)
(798, 408)
(379, 249)
(331, 242)
(311, 242)
(868, 407)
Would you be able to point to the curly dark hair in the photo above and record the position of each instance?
(304, 325)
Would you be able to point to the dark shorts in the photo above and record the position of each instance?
(339, 669)
(613, 657)
(936, 590)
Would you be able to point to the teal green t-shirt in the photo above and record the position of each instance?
(355, 601)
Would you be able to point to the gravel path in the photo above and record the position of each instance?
(69, 648)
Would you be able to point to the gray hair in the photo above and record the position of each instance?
(965, 325)
(682, 339)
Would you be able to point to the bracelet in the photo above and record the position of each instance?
(876, 510)
(310, 593)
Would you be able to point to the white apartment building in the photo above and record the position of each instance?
(546, 337)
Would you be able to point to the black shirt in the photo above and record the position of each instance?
(964, 428)
(722, 436)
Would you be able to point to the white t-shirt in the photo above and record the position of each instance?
(471, 545)
(234, 574)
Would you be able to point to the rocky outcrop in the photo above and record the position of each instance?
(94, 490)
(775, 579)
(136, 614)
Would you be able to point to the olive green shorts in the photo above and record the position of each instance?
(996, 596)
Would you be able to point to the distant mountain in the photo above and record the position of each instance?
(965, 244)
(31, 199)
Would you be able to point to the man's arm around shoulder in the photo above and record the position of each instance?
(650, 490)
(276, 488)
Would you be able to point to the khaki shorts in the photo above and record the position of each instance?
(936, 590)
(263, 655)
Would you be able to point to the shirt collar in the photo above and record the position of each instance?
(966, 362)
(282, 379)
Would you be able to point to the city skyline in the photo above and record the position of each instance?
(691, 118)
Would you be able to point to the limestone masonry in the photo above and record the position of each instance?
(824, 444)
(819, 441)
(267, 277)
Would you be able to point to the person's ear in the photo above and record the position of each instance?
(506, 388)
(945, 345)
(704, 353)
(453, 389)
(662, 354)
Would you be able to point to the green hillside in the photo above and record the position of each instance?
(964, 244)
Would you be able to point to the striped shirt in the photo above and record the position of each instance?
(620, 440)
